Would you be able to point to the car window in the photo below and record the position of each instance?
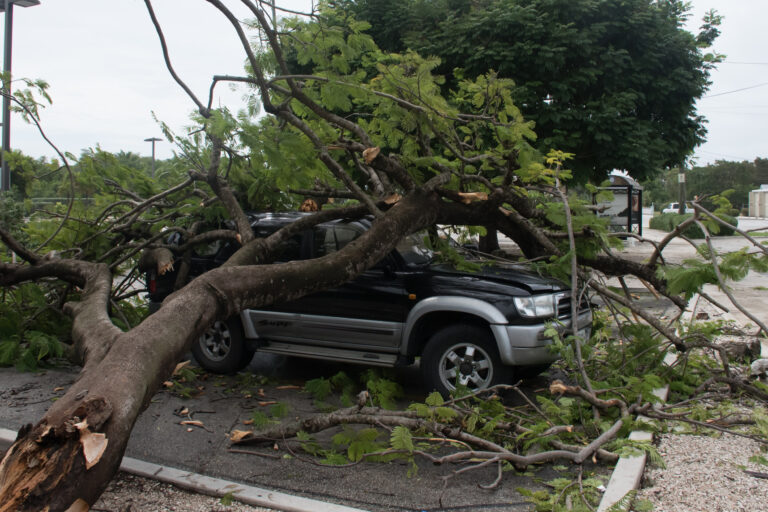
(329, 239)
(414, 250)
(209, 249)
(291, 248)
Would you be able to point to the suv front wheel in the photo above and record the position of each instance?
(221, 349)
(463, 354)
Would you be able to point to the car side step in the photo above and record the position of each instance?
(330, 354)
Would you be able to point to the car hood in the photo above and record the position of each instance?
(493, 278)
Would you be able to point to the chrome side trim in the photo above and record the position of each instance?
(345, 333)
(331, 354)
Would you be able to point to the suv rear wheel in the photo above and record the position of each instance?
(221, 349)
(466, 354)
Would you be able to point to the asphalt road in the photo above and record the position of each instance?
(222, 404)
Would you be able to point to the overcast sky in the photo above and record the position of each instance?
(106, 73)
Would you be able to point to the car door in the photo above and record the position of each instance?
(279, 321)
(368, 312)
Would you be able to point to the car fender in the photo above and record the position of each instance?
(452, 304)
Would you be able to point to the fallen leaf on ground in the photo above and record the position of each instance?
(237, 435)
(285, 387)
(196, 423)
(264, 404)
(180, 366)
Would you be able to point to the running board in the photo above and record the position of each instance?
(330, 354)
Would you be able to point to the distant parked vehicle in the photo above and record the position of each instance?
(675, 208)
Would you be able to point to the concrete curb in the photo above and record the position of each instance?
(628, 473)
(215, 486)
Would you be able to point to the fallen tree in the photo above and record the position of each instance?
(379, 136)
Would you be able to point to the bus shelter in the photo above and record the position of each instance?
(626, 209)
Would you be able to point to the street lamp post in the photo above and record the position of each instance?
(153, 140)
(7, 7)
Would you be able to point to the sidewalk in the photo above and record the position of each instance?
(751, 292)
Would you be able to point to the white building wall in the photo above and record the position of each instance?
(758, 202)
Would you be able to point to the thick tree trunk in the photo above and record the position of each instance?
(490, 241)
(48, 468)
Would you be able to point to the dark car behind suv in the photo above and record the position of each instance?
(472, 328)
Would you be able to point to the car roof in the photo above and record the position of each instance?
(278, 219)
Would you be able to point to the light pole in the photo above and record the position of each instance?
(7, 7)
(681, 209)
(153, 140)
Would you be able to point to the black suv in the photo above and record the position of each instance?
(476, 329)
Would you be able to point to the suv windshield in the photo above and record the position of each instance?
(413, 249)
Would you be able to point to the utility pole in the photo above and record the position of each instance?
(153, 140)
(681, 183)
(7, 7)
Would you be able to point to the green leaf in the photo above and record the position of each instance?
(320, 388)
(227, 499)
(401, 439)
(434, 399)
(422, 410)
(279, 410)
(260, 420)
(9, 352)
(335, 459)
(445, 414)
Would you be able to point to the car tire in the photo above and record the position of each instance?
(471, 350)
(221, 349)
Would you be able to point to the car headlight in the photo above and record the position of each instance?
(536, 306)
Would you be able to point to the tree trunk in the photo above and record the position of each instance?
(490, 241)
(48, 468)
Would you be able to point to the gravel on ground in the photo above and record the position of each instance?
(706, 473)
(129, 493)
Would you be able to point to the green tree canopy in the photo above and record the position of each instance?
(613, 82)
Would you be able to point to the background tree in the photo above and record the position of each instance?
(614, 83)
(738, 178)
